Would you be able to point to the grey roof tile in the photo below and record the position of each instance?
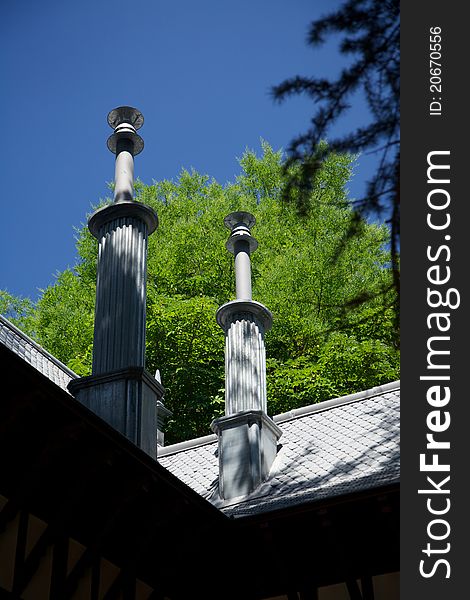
(350, 444)
(336, 447)
(31, 352)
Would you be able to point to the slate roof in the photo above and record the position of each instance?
(31, 352)
(337, 447)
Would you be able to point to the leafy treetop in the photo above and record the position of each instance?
(316, 349)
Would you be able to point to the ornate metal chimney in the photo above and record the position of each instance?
(247, 436)
(120, 390)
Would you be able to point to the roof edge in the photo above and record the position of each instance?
(194, 443)
(342, 400)
(288, 416)
(39, 348)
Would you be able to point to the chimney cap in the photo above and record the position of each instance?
(240, 224)
(239, 218)
(125, 120)
(125, 114)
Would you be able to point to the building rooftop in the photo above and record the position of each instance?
(337, 447)
(31, 352)
(334, 448)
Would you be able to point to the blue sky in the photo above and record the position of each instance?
(201, 74)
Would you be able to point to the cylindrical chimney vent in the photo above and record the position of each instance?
(122, 230)
(125, 143)
(247, 436)
(241, 244)
(120, 390)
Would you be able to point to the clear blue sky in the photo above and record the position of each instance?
(200, 72)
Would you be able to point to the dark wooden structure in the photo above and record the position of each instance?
(85, 514)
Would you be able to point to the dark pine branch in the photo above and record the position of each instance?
(369, 31)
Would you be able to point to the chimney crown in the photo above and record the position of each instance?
(120, 390)
(247, 436)
(125, 120)
(240, 224)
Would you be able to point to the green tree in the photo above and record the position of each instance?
(368, 32)
(14, 308)
(316, 349)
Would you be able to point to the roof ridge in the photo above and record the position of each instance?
(333, 402)
(8, 324)
(288, 416)
(186, 445)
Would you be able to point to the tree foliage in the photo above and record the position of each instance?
(15, 308)
(369, 40)
(315, 349)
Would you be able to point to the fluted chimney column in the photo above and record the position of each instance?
(122, 231)
(247, 436)
(120, 390)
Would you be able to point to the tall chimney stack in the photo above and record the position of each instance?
(247, 436)
(120, 390)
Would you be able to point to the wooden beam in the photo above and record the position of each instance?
(367, 587)
(20, 552)
(55, 535)
(94, 551)
(353, 589)
(310, 594)
(8, 512)
(59, 567)
(5, 595)
(31, 478)
(141, 544)
(30, 565)
(129, 585)
(122, 587)
(95, 579)
(155, 595)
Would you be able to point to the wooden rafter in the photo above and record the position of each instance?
(367, 587)
(123, 584)
(95, 580)
(20, 553)
(94, 551)
(311, 594)
(353, 589)
(59, 567)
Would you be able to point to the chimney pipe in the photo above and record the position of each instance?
(120, 390)
(125, 143)
(247, 436)
(241, 244)
(122, 230)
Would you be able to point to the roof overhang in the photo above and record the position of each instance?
(84, 479)
(69, 468)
